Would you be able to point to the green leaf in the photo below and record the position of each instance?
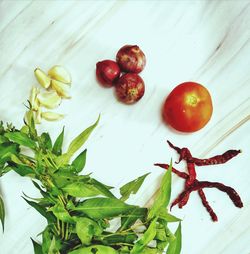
(47, 196)
(37, 247)
(81, 189)
(161, 234)
(76, 144)
(31, 123)
(102, 208)
(118, 238)
(61, 213)
(5, 170)
(97, 249)
(80, 161)
(175, 245)
(46, 141)
(41, 210)
(150, 251)
(104, 189)
(132, 187)
(25, 129)
(21, 139)
(164, 215)
(54, 246)
(23, 170)
(62, 179)
(2, 212)
(47, 239)
(3, 139)
(82, 186)
(86, 229)
(57, 148)
(7, 150)
(147, 237)
(127, 220)
(163, 197)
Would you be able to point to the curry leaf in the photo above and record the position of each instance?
(80, 161)
(7, 150)
(46, 141)
(98, 249)
(57, 147)
(37, 247)
(86, 229)
(81, 189)
(128, 219)
(100, 208)
(104, 189)
(132, 187)
(3, 139)
(23, 170)
(2, 212)
(77, 143)
(21, 139)
(116, 238)
(54, 246)
(61, 213)
(47, 239)
(175, 245)
(163, 197)
(146, 238)
(41, 210)
(163, 214)
(150, 251)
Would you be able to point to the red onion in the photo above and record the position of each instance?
(131, 59)
(107, 72)
(130, 88)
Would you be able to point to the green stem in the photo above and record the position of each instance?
(63, 230)
(67, 231)
(58, 226)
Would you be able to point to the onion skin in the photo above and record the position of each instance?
(107, 72)
(129, 88)
(131, 59)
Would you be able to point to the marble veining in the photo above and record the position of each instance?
(205, 41)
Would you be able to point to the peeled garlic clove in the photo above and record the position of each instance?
(59, 73)
(49, 99)
(61, 88)
(42, 78)
(33, 98)
(38, 116)
(51, 116)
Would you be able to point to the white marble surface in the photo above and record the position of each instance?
(204, 41)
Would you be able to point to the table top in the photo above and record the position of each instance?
(202, 41)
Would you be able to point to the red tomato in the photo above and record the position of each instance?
(188, 107)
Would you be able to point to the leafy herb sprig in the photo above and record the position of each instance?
(78, 208)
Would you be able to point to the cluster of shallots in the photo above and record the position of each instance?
(129, 87)
(56, 86)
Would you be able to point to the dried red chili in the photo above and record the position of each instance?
(207, 205)
(177, 172)
(218, 159)
(192, 184)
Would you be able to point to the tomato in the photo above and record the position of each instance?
(188, 107)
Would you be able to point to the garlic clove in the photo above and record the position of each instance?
(61, 89)
(49, 99)
(33, 98)
(52, 116)
(42, 78)
(38, 116)
(59, 73)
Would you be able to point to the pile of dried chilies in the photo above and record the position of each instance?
(192, 184)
